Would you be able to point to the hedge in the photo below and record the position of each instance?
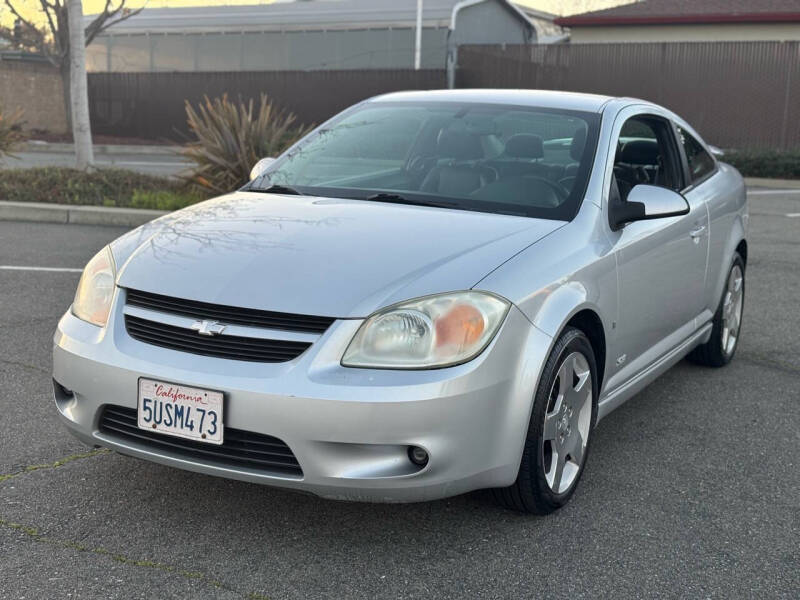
(765, 163)
(102, 187)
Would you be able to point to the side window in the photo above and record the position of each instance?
(700, 162)
(646, 154)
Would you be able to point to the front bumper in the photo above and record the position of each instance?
(348, 428)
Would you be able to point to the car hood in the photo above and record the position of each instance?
(318, 256)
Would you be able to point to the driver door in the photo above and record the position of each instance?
(661, 263)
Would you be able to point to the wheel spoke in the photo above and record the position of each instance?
(557, 471)
(564, 379)
(734, 324)
(576, 451)
(582, 390)
(550, 431)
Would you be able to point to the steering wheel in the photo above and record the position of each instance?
(420, 164)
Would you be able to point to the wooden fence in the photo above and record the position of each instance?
(736, 94)
(151, 105)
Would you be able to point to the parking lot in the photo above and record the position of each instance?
(692, 489)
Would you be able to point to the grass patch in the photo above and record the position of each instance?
(59, 463)
(103, 187)
(765, 163)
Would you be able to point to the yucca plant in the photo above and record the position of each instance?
(10, 131)
(232, 136)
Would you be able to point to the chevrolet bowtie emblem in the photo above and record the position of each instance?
(208, 327)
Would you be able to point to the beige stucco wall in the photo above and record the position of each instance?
(728, 32)
(36, 89)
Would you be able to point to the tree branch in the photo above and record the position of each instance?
(107, 18)
(46, 7)
(22, 19)
(38, 39)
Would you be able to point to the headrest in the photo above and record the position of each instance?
(525, 145)
(578, 142)
(460, 145)
(481, 125)
(640, 152)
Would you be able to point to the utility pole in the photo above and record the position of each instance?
(79, 92)
(418, 41)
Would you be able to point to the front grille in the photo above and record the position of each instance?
(221, 346)
(231, 315)
(240, 448)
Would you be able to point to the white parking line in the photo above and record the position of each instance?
(792, 215)
(46, 269)
(767, 192)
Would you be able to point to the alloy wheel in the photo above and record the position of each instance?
(732, 310)
(567, 422)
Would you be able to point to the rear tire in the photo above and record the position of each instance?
(557, 443)
(721, 346)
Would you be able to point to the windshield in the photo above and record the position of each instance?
(501, 159)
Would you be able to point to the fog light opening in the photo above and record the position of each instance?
(418, 456)
(62, 393)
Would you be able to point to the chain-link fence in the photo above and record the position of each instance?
(736, 94)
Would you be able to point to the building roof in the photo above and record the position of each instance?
(313, 15)
(664, 12)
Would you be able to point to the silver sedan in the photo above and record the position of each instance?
(431, 293)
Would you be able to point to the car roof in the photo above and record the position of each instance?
(537, 98)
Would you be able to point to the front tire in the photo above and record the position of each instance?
(721, 346)
(563, 416)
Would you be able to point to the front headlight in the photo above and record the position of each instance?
(435, 331)
(96, 289)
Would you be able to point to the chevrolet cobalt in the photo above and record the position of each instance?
(431, 293)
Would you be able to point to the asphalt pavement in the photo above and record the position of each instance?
(692, 489)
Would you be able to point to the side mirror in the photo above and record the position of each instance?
(647, 202)
(718, 152)
(260, 167)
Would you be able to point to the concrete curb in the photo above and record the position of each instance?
(80, 215)
(783, 184)
(133, 149)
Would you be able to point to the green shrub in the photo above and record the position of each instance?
(164, 199)
(765, 163)
(103, 187)
(232, 136)
(10, 131)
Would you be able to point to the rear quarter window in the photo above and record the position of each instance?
(700, 162)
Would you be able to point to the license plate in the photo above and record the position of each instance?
(180, 410)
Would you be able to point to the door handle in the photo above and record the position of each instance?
(696, 233)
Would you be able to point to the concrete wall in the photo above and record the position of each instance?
(34, 87)
(728, 32)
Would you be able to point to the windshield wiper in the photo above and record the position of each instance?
(400, 199)
(277, 189)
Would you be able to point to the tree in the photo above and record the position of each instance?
(53, 39)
